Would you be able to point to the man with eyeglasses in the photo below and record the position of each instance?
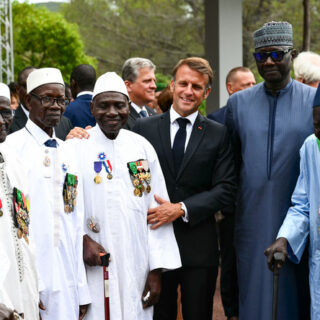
(21, 115)
(56, 211)
(269, 123)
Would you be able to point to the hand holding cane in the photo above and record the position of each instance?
(278, 260)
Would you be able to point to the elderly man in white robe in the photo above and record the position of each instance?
(56, 198)
(18, 277)
(121, 174)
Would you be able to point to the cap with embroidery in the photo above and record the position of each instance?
(4, 91)
(43, 76)
(110, 82)
(273, 34)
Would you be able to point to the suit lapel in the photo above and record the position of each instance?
(195, 139)
(133, 113)
(164, 133)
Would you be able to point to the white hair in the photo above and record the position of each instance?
(131, 67)
(307, 66)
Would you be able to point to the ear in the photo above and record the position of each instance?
(28, 102)
(207, 93)
(294, 53)
(128, 85)
(171, 86)
(92, 108)
(229, 88)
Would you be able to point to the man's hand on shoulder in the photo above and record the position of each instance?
(91, 251)
(78, 133)
(165, 213)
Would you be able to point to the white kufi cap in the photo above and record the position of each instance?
(108, 82)
(43, 76)
(4, 91)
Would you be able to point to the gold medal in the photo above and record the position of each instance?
(148, 188)
(136, 182)
(136, 192)
(142, 188)
(26, 238)
(74, 202)
(109, 176)
(66, 207)
(19, 233)
(1, 213)
(47, 161)
(97, 179)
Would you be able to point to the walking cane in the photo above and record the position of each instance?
(105, 263)
(278, 256)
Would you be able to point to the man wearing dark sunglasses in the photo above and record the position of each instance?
(269, 123)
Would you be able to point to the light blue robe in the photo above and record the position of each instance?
(268, 132)
(303, 219)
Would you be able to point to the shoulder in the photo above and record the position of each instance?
(304, 89)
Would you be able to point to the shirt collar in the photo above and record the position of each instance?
(24, 110)
(285, 89)
(175, 115)
(39, 135)
(138, 109)
(84, 92)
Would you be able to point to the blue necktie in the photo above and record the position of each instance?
(143, 114)
(179, 143)
(51, 143)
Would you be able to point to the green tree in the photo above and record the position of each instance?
(161, 30)
(45, 39)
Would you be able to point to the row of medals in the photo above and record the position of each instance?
(97, 179)
(137, 182)
(70, 201)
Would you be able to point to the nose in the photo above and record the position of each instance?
(153, 84)
(269, 61)
(188, 89)
(112, 112)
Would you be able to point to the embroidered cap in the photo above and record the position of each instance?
(4, 91)
(43, 76)
(273, 34)
(110, 82)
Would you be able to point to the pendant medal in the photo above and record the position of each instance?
(97, 166)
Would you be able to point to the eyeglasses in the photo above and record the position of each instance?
(49, 101)
(276, 56)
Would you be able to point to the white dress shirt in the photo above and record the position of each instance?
(174, 127)
(138, 109)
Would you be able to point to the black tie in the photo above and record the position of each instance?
(179, 143)
(51, 143)
(143, 114)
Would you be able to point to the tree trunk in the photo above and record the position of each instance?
(306, 26)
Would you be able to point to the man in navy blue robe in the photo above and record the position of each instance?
(269, 123)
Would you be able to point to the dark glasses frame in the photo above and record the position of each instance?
(276, 56)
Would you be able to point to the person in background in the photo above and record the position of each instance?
(14, 96)
(138, 75)
(306, 68)
(82, 80)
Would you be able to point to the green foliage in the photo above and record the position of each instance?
(161, 30)
(45, 39)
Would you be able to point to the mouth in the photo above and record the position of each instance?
(186, 100)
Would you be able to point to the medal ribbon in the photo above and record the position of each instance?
(133, 168)
(318, 143)
(97, 166)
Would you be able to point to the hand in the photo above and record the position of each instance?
(91, 251)
(153, 285)
(280, 245)
(41, 307)
(79, 133)
(7, 314)
(82, 311)
(165, 213)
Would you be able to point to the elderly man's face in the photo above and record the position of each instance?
(275, 71)
(111, 111)
(43, 111)
(5, 117)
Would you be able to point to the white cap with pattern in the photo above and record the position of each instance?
(110, 82)
(43, 76)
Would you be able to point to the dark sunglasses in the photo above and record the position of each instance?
(276, 56)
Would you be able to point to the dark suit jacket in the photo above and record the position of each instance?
(20, 119)
(134, 115)
(218, 115)
(79, 112)
(206, 182)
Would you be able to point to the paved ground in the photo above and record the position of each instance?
(218, 313)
